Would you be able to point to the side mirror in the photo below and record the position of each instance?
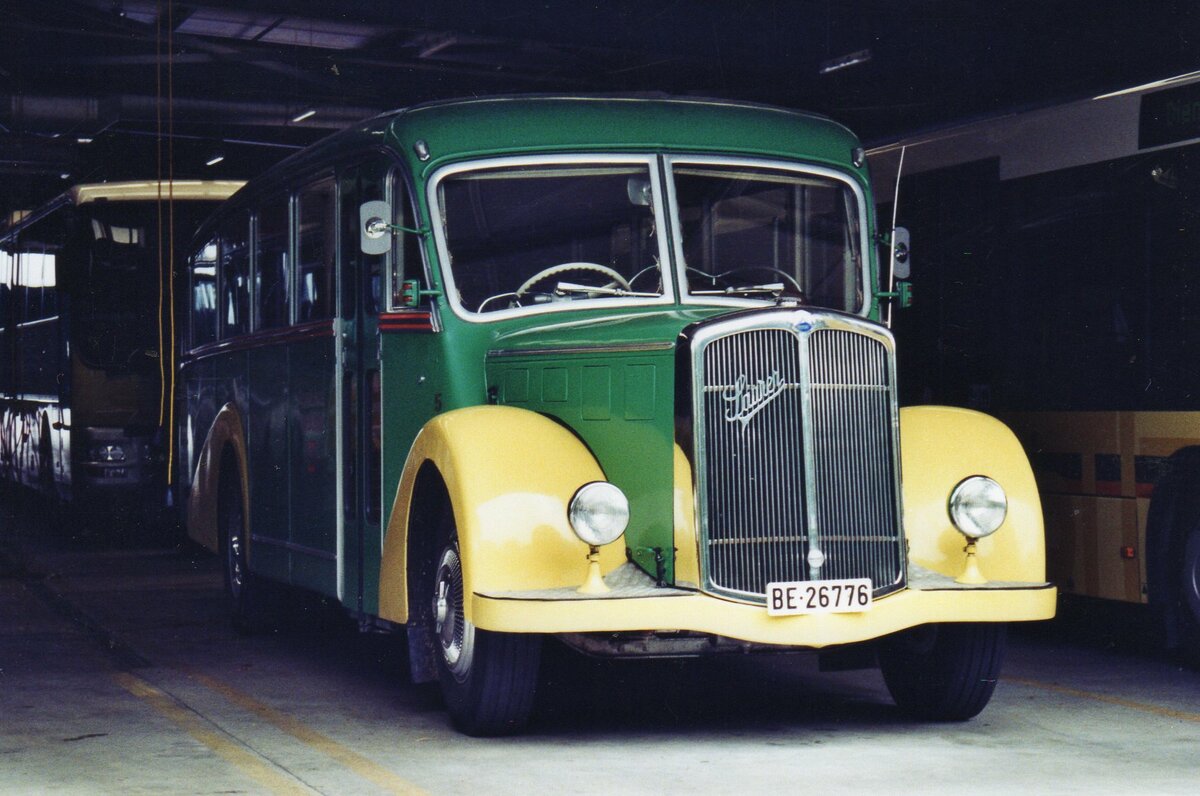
(639, 192)
(901, 265)
(374, 230)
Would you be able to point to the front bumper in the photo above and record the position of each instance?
(636, 604)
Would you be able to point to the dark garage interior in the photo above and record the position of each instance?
(381, 338)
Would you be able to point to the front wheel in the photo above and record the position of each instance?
(488, 679)
(944, 672)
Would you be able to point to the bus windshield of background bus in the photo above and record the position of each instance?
(750, 232)
(531, 235)
(115, 291)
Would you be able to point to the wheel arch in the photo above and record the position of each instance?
(510, 515)
(940, 446)
(224, 443)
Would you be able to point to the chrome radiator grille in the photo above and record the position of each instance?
(795, 446)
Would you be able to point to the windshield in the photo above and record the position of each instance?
(115, 291)
(549, 235)
(757, 232)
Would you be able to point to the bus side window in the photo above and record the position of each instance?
(204, 294)
(235, 275)
(406, 250)
(36, 271)
(317, 233)
(271, 264)
(6, 275)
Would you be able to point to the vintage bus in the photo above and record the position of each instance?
(84, 340)
(1059, 288)
(600, 370)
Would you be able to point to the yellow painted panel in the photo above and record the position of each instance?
(940, 446)
(687, 550)
(511, 474)
(1085, 536)
(704, 614)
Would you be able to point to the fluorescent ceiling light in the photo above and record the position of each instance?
(843, 61)
(299, 117)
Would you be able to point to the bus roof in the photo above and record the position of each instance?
(147, 190)
(522, 123)
(528, 124)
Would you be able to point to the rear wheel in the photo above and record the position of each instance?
(488, 679)
(1189, 597)
(246, 592)
(944, 672)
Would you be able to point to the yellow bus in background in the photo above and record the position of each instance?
(85, 366)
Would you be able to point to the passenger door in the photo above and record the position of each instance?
(360, 449)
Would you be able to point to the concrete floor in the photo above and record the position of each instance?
(119, 673)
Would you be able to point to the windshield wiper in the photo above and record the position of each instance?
(565, 288)
(774, 288)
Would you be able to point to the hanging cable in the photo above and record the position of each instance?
(158, 157)
(170, 429)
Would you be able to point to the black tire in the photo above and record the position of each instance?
(1188, 611)
(249, 606)
(488, 679)
(944, 672)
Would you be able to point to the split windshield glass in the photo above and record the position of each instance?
(528, 235)
(534, 235)
(755, 232)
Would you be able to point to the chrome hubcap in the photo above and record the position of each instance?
(456, 636)
(1191, 573)
(235, 556)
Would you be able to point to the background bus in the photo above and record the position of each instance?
(1058, 286)
(83, 324)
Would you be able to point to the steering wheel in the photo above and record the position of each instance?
(791, 280)
(563, 268)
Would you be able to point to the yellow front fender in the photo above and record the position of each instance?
(940, 446)
(510, 474)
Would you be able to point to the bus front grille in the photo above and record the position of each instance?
(796, 453)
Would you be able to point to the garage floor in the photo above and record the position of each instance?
(119, 673)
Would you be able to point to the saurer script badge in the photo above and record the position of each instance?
(744, 398)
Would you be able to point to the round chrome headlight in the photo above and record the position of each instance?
(978, 506)
(598, 513)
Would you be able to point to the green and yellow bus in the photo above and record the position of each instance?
(85, 339)
(1058, 272)
(607, 371)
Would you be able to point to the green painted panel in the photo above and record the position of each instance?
(516, 386)
(554, 385)
(628, 424)
(312, 403)
(268, 443)
(597, 392)
(641, 392)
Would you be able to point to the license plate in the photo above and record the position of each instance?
(819, 597)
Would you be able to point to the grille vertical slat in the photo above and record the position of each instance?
(762, 515)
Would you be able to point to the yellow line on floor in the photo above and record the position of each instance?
(1182, 715)
(364, 767)
(265, 774)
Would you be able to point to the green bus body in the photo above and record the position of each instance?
(615, 401)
